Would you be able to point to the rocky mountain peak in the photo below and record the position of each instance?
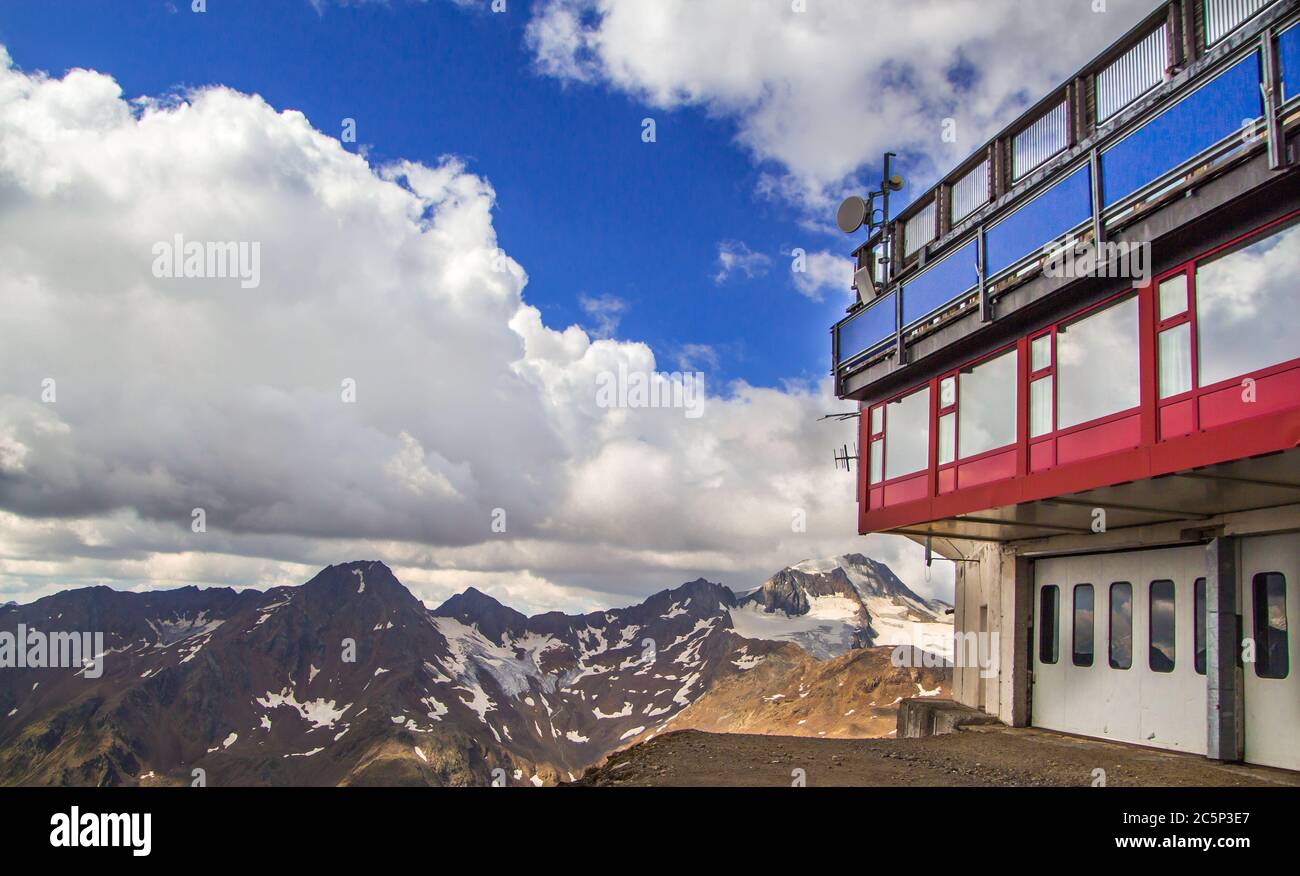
(349, 678)
(473, 607)
(791, 589)
(699, 598)
(364, 577)
(704, 588)
(828, 606)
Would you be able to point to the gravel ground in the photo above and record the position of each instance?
(979, 756)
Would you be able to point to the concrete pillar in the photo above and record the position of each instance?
(1225, 711)
(1020, 666)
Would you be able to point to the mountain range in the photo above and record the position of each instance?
(349, 679)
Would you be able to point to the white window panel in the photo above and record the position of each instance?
(1136, 72)
(1040, 141)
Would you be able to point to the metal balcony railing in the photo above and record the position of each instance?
(1151, 139)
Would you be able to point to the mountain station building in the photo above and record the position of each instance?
(1109, 452)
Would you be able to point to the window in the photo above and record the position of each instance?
(1160, 654)
(1097, 364)
(947, 420)
(1174, 323)
(970, 192)
(907, 434)
(987, 406)
(1040, 407)
(1083, 624)
(1042, 387)
(1121, 625)
(1136, 72)
(1047, 624)
(1198, 605)
(1222, 17)
(947, 392)
(947, 438)
(919, 230)
(1173, 297)
(1176, 360)
(876, 449)
(1041, 140)
(1040, 353)
(1272, 659)
(1244, 304)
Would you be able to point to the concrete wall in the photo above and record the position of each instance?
(992, 600)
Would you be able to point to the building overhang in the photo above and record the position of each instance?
(1193, 498)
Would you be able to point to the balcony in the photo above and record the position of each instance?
(1198, 90)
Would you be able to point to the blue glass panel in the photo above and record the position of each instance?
(1183, 131)
(868, 328)
(939, 284)
(1039, 222)
(1288, 49)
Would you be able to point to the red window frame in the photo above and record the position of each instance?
(1048, 371)
(955, 408)
(1190, 401)
(1166, 406)
(1134, 445)
(879, 437)
(1045, 446)
(941, 410)
(873, 438)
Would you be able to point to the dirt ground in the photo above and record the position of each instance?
(977, 756)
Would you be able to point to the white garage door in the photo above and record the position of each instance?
(1270, 590)
(1117, 650)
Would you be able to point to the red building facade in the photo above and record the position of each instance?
(1110, 454)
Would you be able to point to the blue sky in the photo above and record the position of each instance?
(584, 205)
(475, 393)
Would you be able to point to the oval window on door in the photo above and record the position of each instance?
(1160, 653)
(1272, 657)
(1121, 625)
(1048, 624)
(1083, 625)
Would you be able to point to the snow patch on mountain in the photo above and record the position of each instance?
(826, 631)
(831, 606)
(892, 626)
(180, 627)
(512, 665)
(320, 712)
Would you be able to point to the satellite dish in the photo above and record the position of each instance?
(852, 214)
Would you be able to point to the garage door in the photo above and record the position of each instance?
(1270, 595)
(1118, 652)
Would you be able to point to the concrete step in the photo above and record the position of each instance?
(931, 716)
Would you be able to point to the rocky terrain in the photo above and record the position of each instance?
(350, 679)
(985, 756)
(854, 696)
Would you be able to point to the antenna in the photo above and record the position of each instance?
(841, 418)
(842, 457)
(856, 212)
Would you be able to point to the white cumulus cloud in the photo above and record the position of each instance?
(821, 89)
(382, 393)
